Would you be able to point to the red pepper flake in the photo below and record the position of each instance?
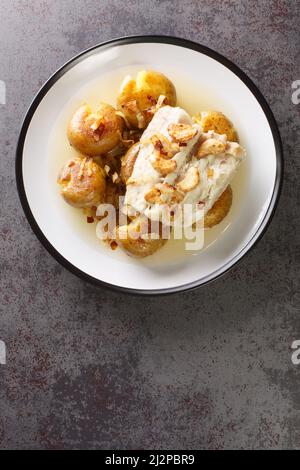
(152, 100)
(122, 187)
(160, 148)
(90, 220)
(158, 145)
(183, 144)
(113, 245)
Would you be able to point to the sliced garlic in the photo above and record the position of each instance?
(190, 181)
(182, 132)
(211, 147)
(163, 166)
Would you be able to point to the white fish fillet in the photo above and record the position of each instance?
(144, 175)
(216, 171)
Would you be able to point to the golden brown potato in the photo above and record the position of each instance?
(218, 122)
(82, 182)
(139, 96)
(128, 161)
(130, 238)
(95, 133)
(219, 210)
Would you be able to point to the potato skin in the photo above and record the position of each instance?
(138, 247)
(219, 210)
(82, 182)
(218, 122)
(142, 93)
(99, 141)
(128, 161)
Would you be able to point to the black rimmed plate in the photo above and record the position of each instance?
(204, 80)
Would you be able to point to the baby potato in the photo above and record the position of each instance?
(128, 161)
(219, 210)
(138, 96)
(218, 122)
(129, 237)
(82, 182)
(95, 133)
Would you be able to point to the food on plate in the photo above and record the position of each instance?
(82, 182)
(128, 161)
(137, 239)
(149, 161)
(156, 145)
(202, 167)
(220, 209)
(114, 190)
(95, 133)
(218, 122)
(140, 97)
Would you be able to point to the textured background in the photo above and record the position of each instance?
(88, 368)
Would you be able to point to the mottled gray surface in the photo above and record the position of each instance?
(88, 368)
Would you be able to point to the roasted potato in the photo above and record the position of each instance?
(138, 97)
(82, 182)
(219, 210)
(218, 122)
(95, 133)
(130, 238)
(128, 161)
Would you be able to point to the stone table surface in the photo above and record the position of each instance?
(90, 368)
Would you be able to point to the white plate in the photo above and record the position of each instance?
(208, 80)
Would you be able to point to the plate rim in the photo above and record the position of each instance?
(187, 44)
